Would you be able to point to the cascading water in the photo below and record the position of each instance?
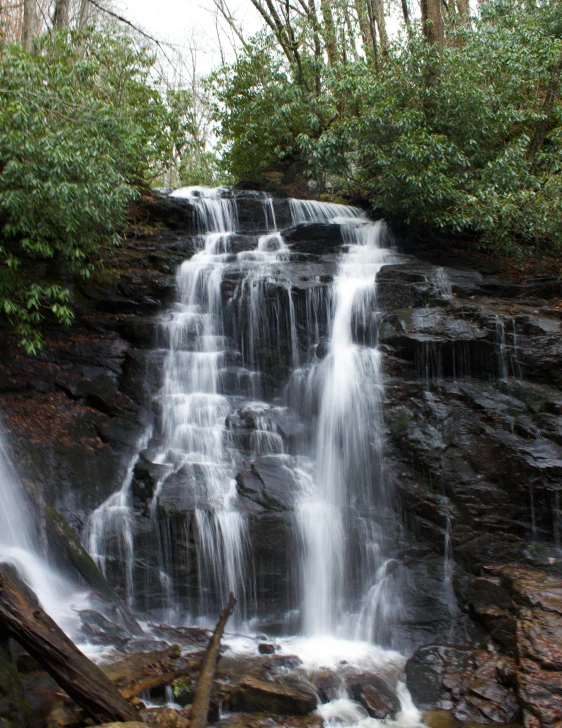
(347, 455)
(20, 548)
(242, 343)
(114, 519)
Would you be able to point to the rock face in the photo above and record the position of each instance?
(475, 685)
(473, 449)
(473, 414)
(522, 608)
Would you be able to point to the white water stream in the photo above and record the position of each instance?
(20, 547)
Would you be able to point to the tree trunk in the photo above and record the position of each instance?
(86, 684)
(541, 127)
(434, 32)
(329, 32)
(432, 22)
(367, 40)
(406, 14)
(61, 14)
(313, 17)
(85, 14)
(378, 11)
(30, 23)
(463, 9)
(373, 32)
(350, 33)
(202, 699)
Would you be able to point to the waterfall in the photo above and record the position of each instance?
(303, 211)
(508, 363)
(243, 345)
(114, 520)
(347, 453)
(20, 547)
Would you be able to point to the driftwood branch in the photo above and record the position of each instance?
(202, 699)
(84, 682)
(159, 680)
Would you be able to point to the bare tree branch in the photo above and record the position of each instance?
(123, 20)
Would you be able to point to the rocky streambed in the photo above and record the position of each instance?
(472, 446)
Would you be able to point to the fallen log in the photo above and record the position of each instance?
(159, 680)
(202, 700)
(85, 683)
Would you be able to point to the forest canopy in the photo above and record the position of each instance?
(452, 124)
(86, 123)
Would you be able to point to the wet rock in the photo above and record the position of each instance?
(241, 243)
(328, 685)
(127, 724)
(146, 476)
(70, 554)
(377, 697)
(173, 212)
(254, 213)
(165, 718)
(540, 692)
(314, 238)
(473, 684)
(146, 645)
(493, 605)
(126, 670)
(280, 698)
(272, 537)
(265, 648)
(426, 670)
(100, 631)
(269, 720)
(268, 483)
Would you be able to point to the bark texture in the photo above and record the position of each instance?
(28, 624)
(202, 700)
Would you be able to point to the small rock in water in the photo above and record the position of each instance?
(377, 697)
(265, 648)
(146, 645)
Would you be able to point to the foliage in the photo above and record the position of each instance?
(82, 127)
(262, 112)
(442, 138)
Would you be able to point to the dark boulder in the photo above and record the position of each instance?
(268, 484)
(375, 694)
(174, 213)
(281, 698)
(316, 238)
